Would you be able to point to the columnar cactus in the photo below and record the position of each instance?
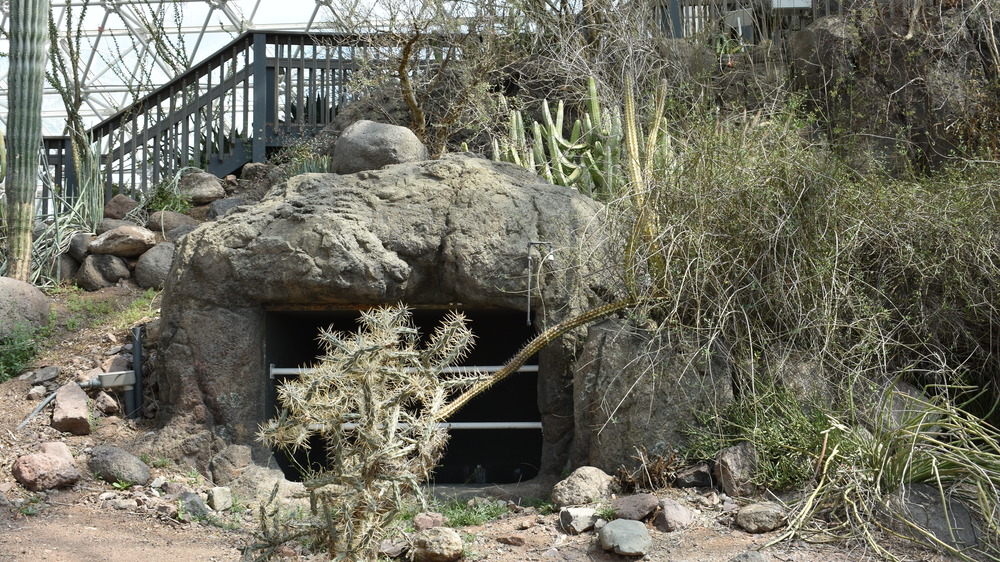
(29, 35)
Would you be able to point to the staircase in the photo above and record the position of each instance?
(263, 91)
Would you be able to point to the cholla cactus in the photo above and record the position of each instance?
(373, 399)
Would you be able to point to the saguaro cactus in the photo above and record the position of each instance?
(29, 35)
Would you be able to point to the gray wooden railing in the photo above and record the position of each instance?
(263, 90)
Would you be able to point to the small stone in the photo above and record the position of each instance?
(428, 520)
(697, 476)
(36, 393)
(749, 556)
(40, 471)
(125, 504)
(627, 537)
(672, 516)
(635, 507)
(56, 449)
(158, 482)
(512, 540)
(193, 506)
(576, 520)
(760, 517)
(585, 485)
(113, 464)
(45, 374)
(439, 544)
(70, 413)
(106, 404)
(220, 498)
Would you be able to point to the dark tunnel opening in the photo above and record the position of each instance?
(472, 455)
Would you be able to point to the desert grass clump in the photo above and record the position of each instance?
(373, 401)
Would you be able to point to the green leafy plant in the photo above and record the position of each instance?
(120, 484)
(17, 350)
(607, 512)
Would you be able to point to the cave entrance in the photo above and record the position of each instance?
(496, 438)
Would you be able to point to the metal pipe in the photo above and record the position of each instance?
(472, 425)
(137, 369)
(36, 410)
(448, 370)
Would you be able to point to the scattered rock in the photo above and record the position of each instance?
(576, 520)
(748, 556)
(45, 375)
(428, 520)
(624, 536)
(36, 393)
(734, 469)
(672, 516)
(697, 476)
(439, 544)
(70, 412)
(227, 466)
(100, 271)
(586, 484)
(112, 464)
(106, 404)
(119, 206)
(366, 145)
(220, 498)
(760, 517)
(512, 540)
(201, 187)
(125, 242)
(153, 266)
(392, 549)
(635, 507)
(22, 306)
(192, 507)
(42, 471)
(56, 449)
(158, 482)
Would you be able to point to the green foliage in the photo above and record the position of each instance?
(607, 512)
(17, 350)
(473, 512)
(120, 484)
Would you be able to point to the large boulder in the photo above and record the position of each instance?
(153, 266)
(101, 270)
(367, 145)
(584, 485)
(431, 233)
(119, 206)
(22, 307)
(125, 242)
(639, 390)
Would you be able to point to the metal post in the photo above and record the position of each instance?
(261, 85)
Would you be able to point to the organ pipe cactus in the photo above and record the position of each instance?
(28, 54)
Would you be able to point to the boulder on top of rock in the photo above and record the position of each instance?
(113, 464)
(367, 145)
(153, 266)
(201, 188)
(119, 206)
(165, 221)
(125, 241)
(585, 485)
(43, 471)
(100, 271)
(22, 307)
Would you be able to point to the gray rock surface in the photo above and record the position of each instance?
(176, 234)
(107, 225)
(114, 463)
(22, 307)
(623, 536)
(584, 485)
(428, 233)
(125, 242)
(165, 221)
(734, 469)
(367, 145)
(192, 507)
(672, 516)
(438, 544)
(760, 517)
(202, 188)
(70, 412)
(41, 471)
(227, 466)
(152, 267)
(100, 271)
(635, 389)
(119, 206)
(922, 504)
(79, 246)
(576, 520)
(220, 498)
(222, 207)
(635, 506)
(697, 476)
(749, 556)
